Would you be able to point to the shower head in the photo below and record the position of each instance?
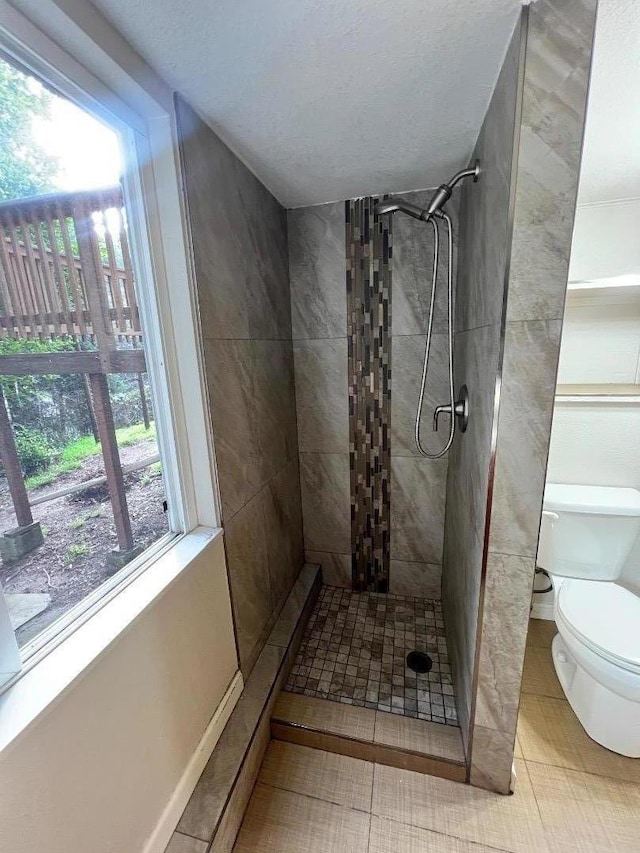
(440, 197)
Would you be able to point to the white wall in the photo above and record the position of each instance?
(606, 240)
(598, 441)
(601, 341)
(595, 444)
(94, 773)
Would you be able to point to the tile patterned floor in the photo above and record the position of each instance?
(572, 796)
(355, 648)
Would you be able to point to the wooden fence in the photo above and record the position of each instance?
(65, 270)
(45, 244)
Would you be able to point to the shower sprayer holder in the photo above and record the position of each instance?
(460, 410)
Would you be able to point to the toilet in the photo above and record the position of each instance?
(586, 535)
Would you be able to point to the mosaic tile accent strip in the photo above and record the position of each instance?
(368, 268)
(354, 652)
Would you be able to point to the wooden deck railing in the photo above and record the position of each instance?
(65, 268)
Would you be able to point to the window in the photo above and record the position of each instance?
(96, 466)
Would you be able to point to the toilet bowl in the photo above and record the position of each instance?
(596, 655)
(586, 535)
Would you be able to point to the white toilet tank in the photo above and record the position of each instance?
(587, 531)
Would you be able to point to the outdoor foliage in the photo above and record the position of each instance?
(73, 454)
(57, 404)
(33, 450)
(25, 168)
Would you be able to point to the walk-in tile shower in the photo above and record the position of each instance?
(357, 647)
(458, 532)
(366, 319)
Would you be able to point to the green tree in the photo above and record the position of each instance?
(25, 168)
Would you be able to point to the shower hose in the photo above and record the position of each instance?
(425, 366)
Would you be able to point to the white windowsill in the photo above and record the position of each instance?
(36, 689)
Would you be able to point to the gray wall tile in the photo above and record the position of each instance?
(461, 575)
(283, 527)
(322, 395)
(543, 227)
(317, 263)
(239, 239)
(417, 508)
(252, 395)
(505, 622)
(324, 480)
(240, 256)
(229, 370)
(407, 359)
(484, 206)
(482, 263)
(419, 580)
(524, 427)
(336, 568)
(412, 270)
(492, 760)
(317, 266)
(477, 354)
(467, 484)
(185, 844)
(274, 406)
(558, 56)
(247, 553)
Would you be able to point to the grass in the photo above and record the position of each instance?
(76, 551)
(36, 481)
(81, 520)
(73, 455)
(151, 473)
(133, 434)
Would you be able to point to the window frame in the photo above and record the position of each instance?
(142, 115)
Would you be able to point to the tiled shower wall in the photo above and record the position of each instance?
(515, 242)
(317, 257)
(239, 246)
(549, 145)
(482, 270)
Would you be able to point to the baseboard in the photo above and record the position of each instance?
(161, 835)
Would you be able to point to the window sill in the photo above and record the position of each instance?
(39, 686)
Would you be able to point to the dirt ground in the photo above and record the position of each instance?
(79, 534)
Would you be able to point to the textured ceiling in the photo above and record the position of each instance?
(326, 99)
(611, 155)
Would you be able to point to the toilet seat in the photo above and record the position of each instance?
(604, 617)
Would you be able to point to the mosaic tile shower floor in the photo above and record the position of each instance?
(354, 651)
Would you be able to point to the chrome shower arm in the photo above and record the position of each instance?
(393, 205)
(473, 172)
(443, 193)
(440, 197)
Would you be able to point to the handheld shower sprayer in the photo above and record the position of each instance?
(458, 410)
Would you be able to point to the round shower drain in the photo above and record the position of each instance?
(419, 662)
